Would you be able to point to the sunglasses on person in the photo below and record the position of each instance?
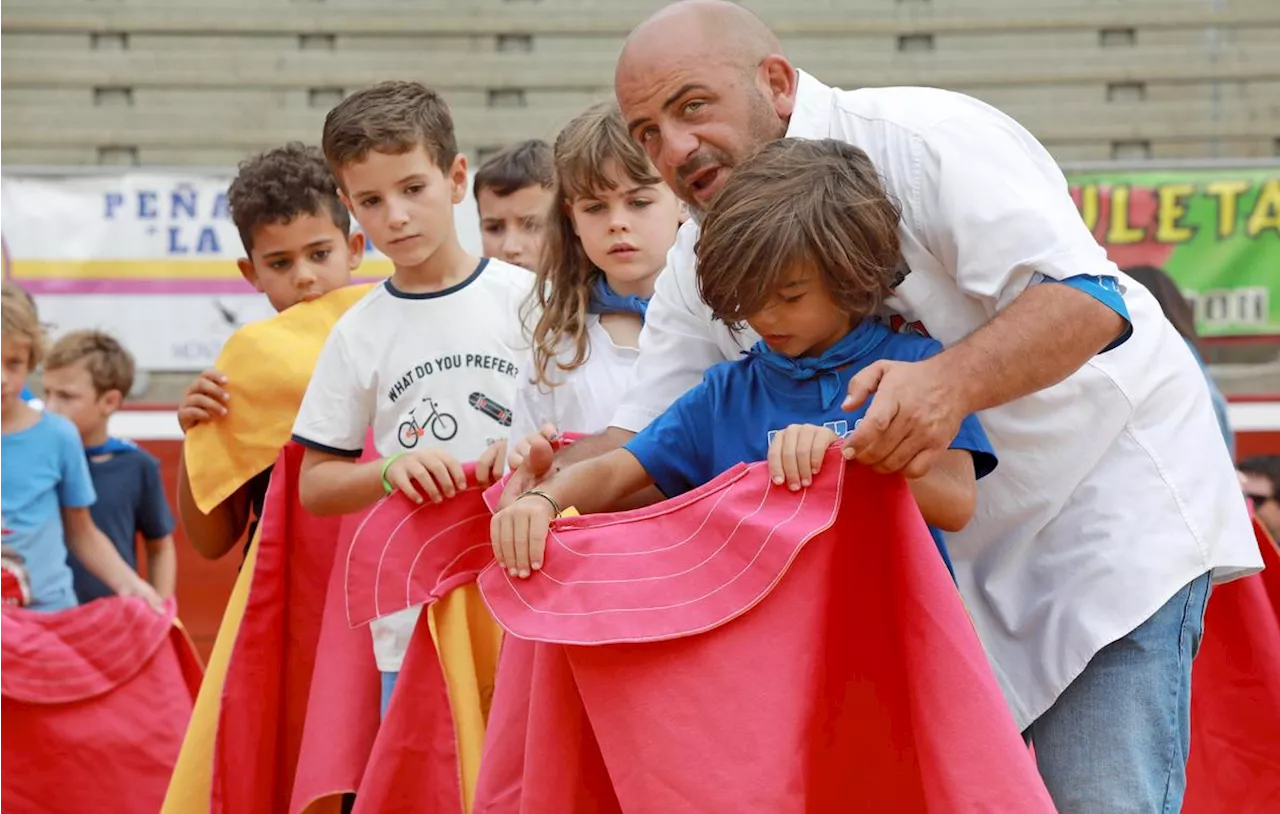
(1257, 499)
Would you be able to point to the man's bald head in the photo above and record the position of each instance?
(723, 30)
(702, 84)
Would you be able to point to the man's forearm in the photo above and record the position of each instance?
(591, 446)
(1047, 333)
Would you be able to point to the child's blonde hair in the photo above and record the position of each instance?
(585, 151)
(20, 320)
(109, 364)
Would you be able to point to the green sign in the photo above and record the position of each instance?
(1217, 232)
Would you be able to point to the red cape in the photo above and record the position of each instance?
(95, 704)
(1234, 766)
(743, 648)
(300, 701)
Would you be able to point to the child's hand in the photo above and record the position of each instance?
(430, 470)
(139, 588)
(796, 454)
(545, 437)
(204, 400)
(519, 534)
(490, 464)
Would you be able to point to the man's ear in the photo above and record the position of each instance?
(779, 80)
(355, 249)
(249, 273)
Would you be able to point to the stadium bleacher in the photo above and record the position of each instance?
(202, 83)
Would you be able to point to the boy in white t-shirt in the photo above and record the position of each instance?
(427, 359)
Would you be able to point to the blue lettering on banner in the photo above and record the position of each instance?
(147, 205)
(189, 216)
(183, 199)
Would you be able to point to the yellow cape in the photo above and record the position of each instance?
(267, 365)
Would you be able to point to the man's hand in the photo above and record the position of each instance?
(490, 464)
(204, 400)
(518, 453)
(539, 459)
(913, 418)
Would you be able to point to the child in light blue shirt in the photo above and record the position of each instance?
(45, 489)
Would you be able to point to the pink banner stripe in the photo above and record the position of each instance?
(236, 286)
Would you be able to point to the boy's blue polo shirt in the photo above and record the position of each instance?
(730, 417)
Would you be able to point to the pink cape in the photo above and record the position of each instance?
(737, 648)
(95, 704)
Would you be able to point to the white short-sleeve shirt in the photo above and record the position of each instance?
(424, 371)
(583, 399)
(1114, 489)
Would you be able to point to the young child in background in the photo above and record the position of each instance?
(514, 191)
(802, 245)
(45, 488)
(612, 222)
(87, 375)
(427, 359)
(298, 245)
(28, 396)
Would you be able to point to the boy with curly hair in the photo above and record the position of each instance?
(298, 246)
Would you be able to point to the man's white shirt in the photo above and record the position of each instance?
(1114, 488)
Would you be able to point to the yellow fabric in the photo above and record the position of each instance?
(267, 365)
(191, 785)
(468, 641)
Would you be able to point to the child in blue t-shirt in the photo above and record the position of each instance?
(45, 489)
(802, 245)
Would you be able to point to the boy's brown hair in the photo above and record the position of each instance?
(526, 164)
(19, 320)
(390, 117)
(281, 184)
(799, 202)
(110, 366)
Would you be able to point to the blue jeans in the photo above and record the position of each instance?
(1118, 737)
(388, 687)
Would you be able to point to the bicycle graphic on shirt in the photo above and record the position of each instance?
(441, 425)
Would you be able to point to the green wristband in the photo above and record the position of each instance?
(386, 464)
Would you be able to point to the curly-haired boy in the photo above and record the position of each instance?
(298, 245)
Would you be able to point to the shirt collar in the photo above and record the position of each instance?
(811, 118)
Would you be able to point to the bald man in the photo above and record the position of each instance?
(1088, 566)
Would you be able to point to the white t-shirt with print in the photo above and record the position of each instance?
(424, 371)
(583, 399)
(1114, 488)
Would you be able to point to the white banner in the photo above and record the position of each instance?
(148, 256)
